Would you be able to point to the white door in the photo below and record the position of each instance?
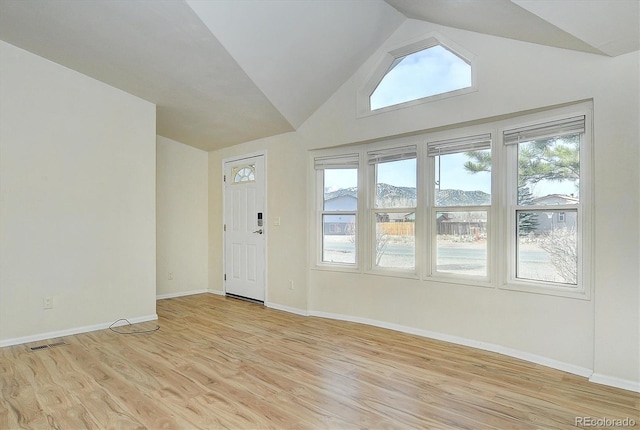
(245, 227)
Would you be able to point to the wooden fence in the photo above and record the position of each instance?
(397, 228)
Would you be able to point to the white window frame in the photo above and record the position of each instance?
(501, 222)
(236, 170)
(363, 101)
(371, 182)
(464, 133)
(319, 164)
(457, 144)
(584, 207)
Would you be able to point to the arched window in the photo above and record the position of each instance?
(416, 73)
(242, 174)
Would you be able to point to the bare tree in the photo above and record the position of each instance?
(350, 230)
(561, 245)
(382, 240)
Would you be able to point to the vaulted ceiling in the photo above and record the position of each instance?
(229, 71)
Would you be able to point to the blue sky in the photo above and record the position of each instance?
(421, 74)
(398, 173)
(335, 179)
(403, 174)
(453, 176)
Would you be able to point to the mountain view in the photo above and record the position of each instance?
(462, 198)
(392, 196)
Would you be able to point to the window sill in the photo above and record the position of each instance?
(460, 280)
(365, 111)
(549, 290)
(328, 267)
(394, 273)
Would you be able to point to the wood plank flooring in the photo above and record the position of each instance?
(218, 362)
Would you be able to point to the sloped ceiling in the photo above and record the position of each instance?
(158, 50)
(608, 27)
(611, 26)
(229, 71)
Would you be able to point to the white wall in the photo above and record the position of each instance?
(182, 219)
(77, 193)
(617, 241)
(286, 197)
(600, 335)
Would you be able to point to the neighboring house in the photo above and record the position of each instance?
(554, 219)
(340, 224)
(346, 200)
(450, 223)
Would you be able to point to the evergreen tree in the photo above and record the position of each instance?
(554, 159)
(528, 221)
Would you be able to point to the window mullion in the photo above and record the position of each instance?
(497, 216)
(319, 215)
(511, 199)
(422, 228)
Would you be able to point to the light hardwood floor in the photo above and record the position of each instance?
(222, 363)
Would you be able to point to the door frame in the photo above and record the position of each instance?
(263, 154)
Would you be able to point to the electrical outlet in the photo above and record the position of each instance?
(47, 303)
(170, 276)
(291, 287)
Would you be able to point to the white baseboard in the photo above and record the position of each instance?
(615, 382)
(289, 309)
(188, 293)
(72, 331)
(533, 358)
(180, 294)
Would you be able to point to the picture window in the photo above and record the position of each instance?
(485, 205)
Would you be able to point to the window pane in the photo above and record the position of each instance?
(340, 189)
(339, 239)
(549, 171)
(396, 184)
(547, 246)
(461, 243)
(395, 240)
(425, 73)
(243, 174)
(463, 179)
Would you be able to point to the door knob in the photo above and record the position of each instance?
(258, 231)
